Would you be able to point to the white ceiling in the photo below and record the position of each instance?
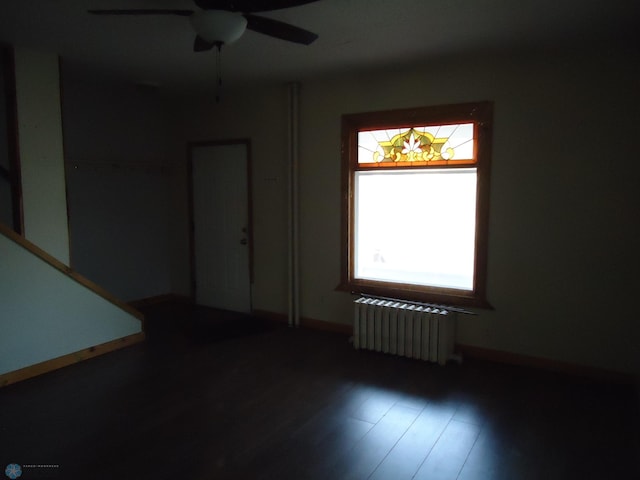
(354, 34)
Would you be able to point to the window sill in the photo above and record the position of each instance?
(414, 293)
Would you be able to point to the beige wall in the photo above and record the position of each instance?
(41, 151)
(564, 202)
(563, 211)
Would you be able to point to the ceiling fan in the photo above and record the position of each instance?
(220, 22)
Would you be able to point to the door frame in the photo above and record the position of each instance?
(192, 251)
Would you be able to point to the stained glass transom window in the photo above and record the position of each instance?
(434, 145)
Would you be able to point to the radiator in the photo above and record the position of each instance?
(404, 329)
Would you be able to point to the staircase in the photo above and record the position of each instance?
(50, 316)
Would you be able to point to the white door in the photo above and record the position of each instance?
(221, 226)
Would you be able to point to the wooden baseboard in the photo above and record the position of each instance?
(306, 322)
(163, 298)
(69, 359)
(516, 359)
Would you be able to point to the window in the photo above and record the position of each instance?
(415, 203)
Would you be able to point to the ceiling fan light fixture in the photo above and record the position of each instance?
(218, 26)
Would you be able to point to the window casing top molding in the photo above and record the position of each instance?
(477, 112)
(480, 115)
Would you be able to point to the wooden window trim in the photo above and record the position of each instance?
(481, 113)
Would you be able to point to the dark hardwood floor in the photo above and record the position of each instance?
(215, 395)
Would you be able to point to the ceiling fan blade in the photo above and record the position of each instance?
(250, 6)
(278, 29)
(182, 13)
(201, 45)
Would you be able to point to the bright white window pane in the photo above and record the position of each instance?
(416, 226)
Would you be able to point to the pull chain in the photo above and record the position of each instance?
(218, 70)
